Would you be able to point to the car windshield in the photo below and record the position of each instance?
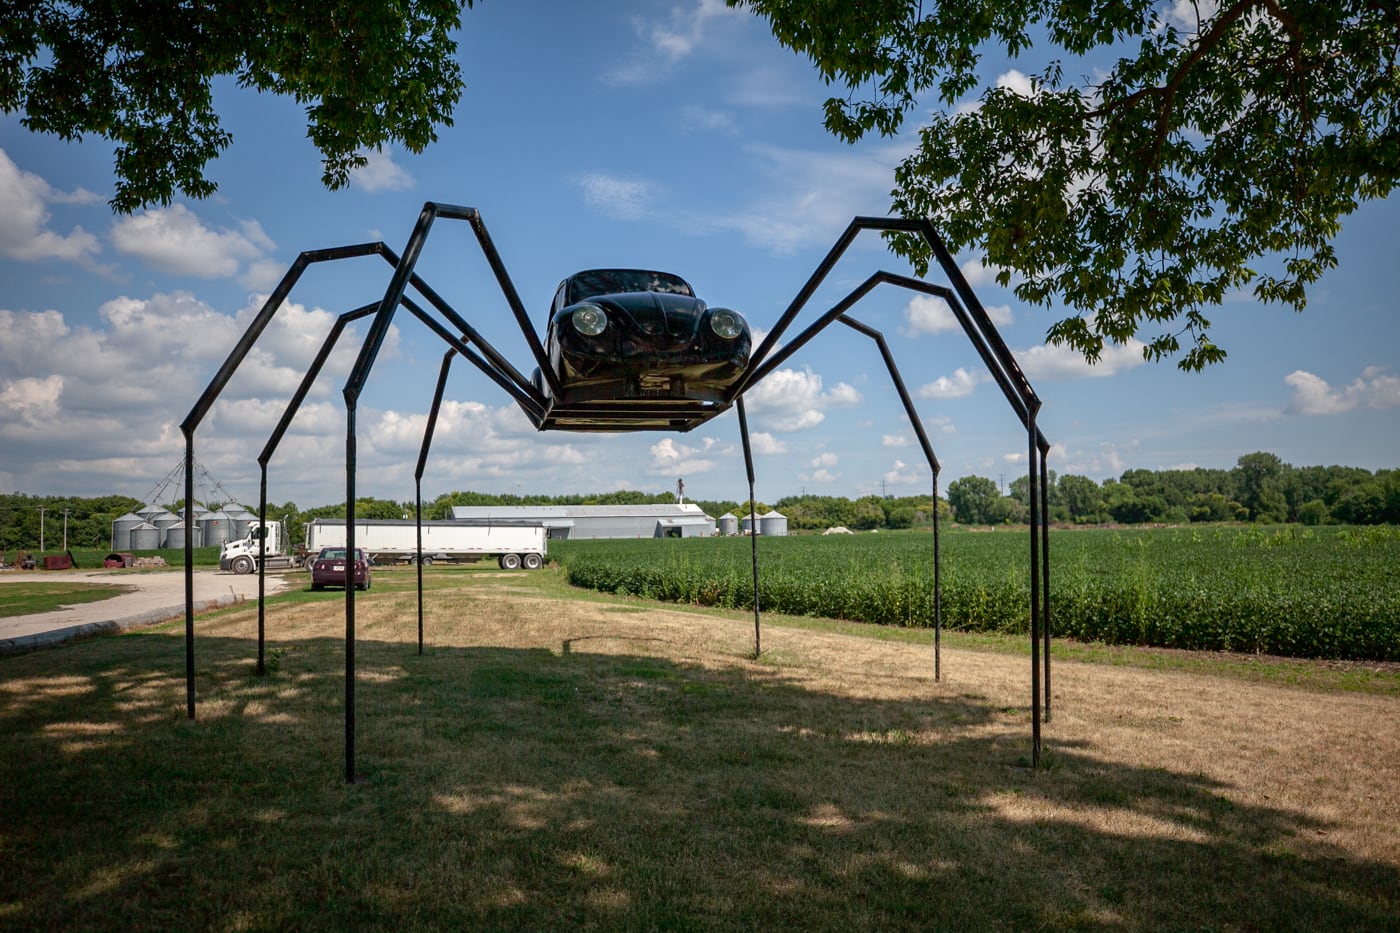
(616, 281)
(337, 553)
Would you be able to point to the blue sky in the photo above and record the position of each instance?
(675, 135)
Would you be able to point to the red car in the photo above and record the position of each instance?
(328, 569)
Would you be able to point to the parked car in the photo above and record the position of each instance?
(624, 334)
(328, 569)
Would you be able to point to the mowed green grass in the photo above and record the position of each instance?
(1293, 591)
(20, 598)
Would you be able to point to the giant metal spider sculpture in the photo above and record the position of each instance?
(551, 405)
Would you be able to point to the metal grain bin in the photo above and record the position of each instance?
(175, 536)
(150, 510)
(728, 524)
(164, 520)
(145, 537)
(217, 527)
(773, 524)
(242, 521)
(121, 530)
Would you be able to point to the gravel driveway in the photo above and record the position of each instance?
(159, 595)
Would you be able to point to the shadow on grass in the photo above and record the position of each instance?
(529, 789)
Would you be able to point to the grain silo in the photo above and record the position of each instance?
(242, 521)
(728, 524)
(145, 537)
(163, 520)
(175, 536)
(774, 524)
(216, 528)
(150, 510)
(121, 530)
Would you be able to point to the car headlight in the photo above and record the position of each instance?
(726, 323)
(590, 320)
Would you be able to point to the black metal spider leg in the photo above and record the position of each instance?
(934, 468)
(428, 432)
(753, 521)
(508, 379)
(404, 276)
(978, 326)
(359, 375)
(211, 394)
(274, 440)
(1045, 567)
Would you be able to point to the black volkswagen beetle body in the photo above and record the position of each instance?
(635, 337)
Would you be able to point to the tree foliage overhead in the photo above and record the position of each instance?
(140, 74)
(1155, 151)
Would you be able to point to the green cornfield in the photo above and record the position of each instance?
(1286, 590)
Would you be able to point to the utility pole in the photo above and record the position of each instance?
(42, 510)
(65, 529)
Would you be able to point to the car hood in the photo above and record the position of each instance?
(656, 314)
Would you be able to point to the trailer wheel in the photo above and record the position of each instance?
(510, 561)
(427, 561)
(242, 565)
(533, 562)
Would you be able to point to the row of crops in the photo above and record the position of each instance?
(1323, 593)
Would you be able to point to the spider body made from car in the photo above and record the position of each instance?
(642, 339)
(624, 350)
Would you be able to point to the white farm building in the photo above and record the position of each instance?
(684, 520)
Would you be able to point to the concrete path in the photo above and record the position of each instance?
(159, 596)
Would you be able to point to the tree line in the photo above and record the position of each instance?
(1259, 488)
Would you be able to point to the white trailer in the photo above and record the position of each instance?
(262, 544)
(513, 544)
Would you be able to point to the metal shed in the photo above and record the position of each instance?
(685, 520)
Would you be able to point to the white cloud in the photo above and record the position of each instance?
(30, 400)
(263, 275)
(1062, 363)
(894, 440)
(670, 457)
(174, 240)
(1013, 80)
(790, 399)
(764, 443)
(686, 28)
(619, 198)
(705, 120)
(670, 41)
(902, 474)
(1107, 460)
(926, 314)
(380, 172)
(24, 219)
(1312, 395)
(977, 273)
(1189, 15)
(809, 197)
(825, 459)
(943, 423)
(958, 385)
